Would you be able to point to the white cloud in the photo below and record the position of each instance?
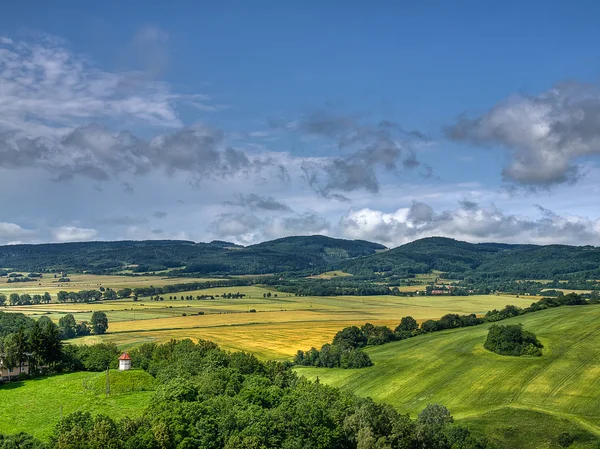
(45, 88)
(73, 234)
(469, 222)
(547, 134)
(13, 232)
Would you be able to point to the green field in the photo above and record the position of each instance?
(35, 406)
(523, 402)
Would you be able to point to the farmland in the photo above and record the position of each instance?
(277, 329)
(507, 396)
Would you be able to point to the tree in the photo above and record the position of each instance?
(2, 299)
(435, 417)
(109, 293)
(565, 439)
(14, 299)
(36, 343)
(67, 326)
(25, 299)
(99, 322)
(124, 293)
(62, 296)
(350, 336)
(407, 327)
(47, 298)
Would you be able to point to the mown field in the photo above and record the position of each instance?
(277, 329)
(520, 402)
(35, 406)
(48, 283)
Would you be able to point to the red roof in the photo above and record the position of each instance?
(125, 356)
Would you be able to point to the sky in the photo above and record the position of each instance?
(249, 121)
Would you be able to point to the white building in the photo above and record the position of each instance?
(124, 362)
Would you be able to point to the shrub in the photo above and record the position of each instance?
(512, 340)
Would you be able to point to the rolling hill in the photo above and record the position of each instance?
(482, 260)
(286, 254)
(520, 402)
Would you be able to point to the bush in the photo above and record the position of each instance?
(512, 340)
(565, 439)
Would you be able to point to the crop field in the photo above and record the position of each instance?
(277, 328)
(48, 283)
(35, 406)
(496, 395)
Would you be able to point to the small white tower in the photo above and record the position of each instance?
(124, 362)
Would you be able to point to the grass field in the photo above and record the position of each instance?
(502, 396)
(35, 406)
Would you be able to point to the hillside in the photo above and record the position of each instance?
(35, 406)
(286, 254)
(482, 260)
(496, 395)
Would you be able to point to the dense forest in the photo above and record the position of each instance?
(491, 266)
(286, 254)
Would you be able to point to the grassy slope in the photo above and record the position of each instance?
(34, 406)
(486, 390)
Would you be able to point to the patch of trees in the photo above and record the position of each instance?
(37, 342)
(189, 286)
(19, 279)
(343, 352)
(83, 296)
(512, 340)
(69, 328)
(25, 299)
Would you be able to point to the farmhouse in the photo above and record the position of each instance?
(7, 374)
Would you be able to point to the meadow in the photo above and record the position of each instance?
(34, 406)
(518, 401)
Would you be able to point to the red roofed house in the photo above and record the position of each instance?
(124, 362)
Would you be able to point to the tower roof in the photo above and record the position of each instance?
(125, 356)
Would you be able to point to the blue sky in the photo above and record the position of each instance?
(248, 121)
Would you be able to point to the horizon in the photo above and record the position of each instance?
(248, 123)
(288, 236)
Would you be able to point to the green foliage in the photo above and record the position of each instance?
(512, 340)
(565, 439)
(20, 441)
(96, 357)
(99, 322)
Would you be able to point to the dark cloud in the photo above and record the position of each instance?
(160, 214)
(420, 213)
(254, 201)
(547, 135)
(368, 148)
(94, 152)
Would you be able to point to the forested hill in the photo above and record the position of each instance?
(311, 253)
(482, 261)
(286, 254)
